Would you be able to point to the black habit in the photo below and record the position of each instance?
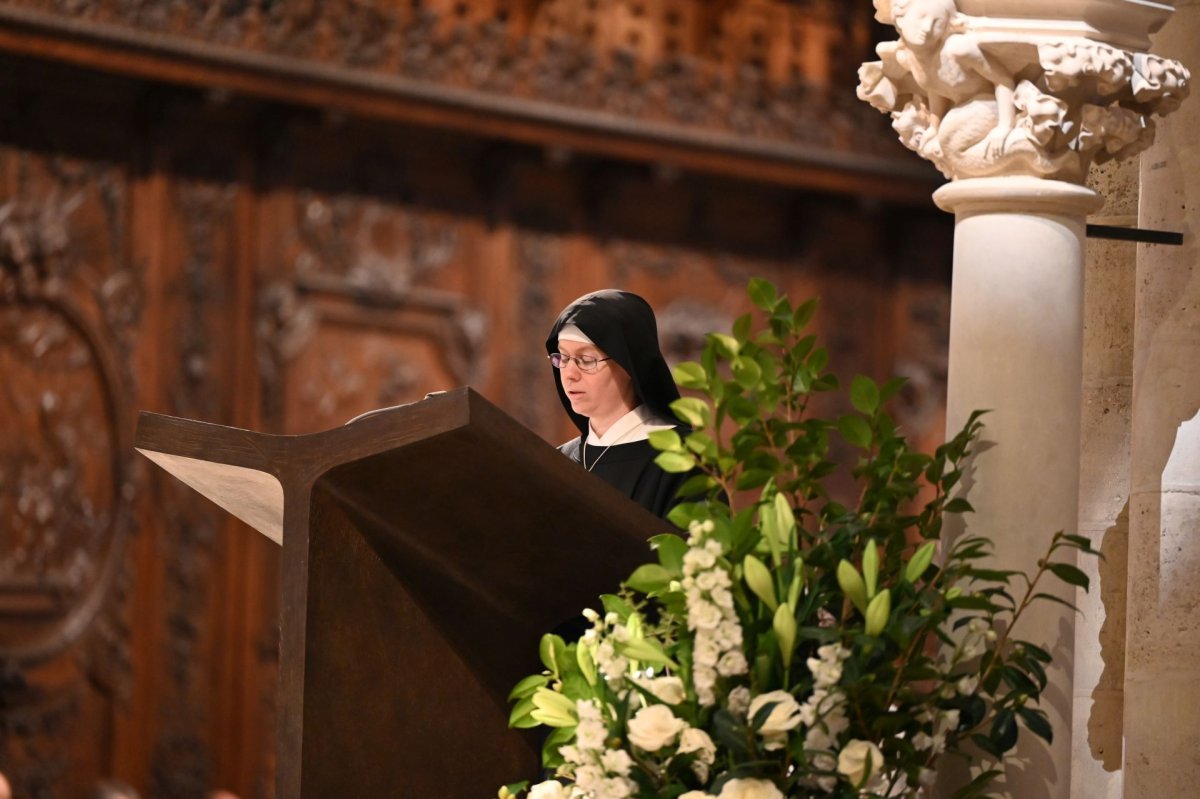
(623, 326)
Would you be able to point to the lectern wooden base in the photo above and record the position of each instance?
(426, 548)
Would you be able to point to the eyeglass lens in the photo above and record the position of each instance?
(585, 362)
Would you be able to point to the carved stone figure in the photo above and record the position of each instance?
(979, 102)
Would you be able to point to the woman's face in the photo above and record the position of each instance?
(603, 396)
(923, 23)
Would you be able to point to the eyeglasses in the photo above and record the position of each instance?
(586, 363)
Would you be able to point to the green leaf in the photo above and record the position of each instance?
(550, 754)
(551, 649)
(753, 478)
(747, 372)
(696, 485)
(527, 686)
(683, 514)
(957, 505)
(804, 314)
(975, 788)
(802, 348)
(889, 389)
(648, 578)
(1004, 730)
(818, 360)
(615, 604)
(701, 444)
(671, 549)
(692, 410)
(1053, 598)
(855, 430)
(1036, 651)
(675, 462)
(646, 651)
(1037, 723)
(762, 293)
(665, 440)
(1069, 574)
(864, 395)
(986, 744)
(690, 374)
(741, 327)
(1018, 680)
(520, 717)
(726, 345)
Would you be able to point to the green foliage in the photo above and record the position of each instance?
(923, 623)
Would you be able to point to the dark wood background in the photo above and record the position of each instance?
(277, 215)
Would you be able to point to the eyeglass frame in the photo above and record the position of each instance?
(564, 360)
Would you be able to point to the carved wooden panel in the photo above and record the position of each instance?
(69, 305)
(759, 68)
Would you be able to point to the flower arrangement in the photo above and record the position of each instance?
(791, 646)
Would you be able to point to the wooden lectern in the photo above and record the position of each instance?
(426, 549)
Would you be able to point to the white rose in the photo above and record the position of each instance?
(784, 716)
(550, 789)
(695, 795)
(694, 740)
(853, 761)
(654, 727)
(697, 741)
(750, 789)
(668, 689)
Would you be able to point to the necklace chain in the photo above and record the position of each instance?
(606, 449)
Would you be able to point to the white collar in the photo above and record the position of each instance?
(637, 425)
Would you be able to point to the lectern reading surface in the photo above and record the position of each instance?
(426, 548)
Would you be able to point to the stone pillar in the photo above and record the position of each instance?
(1016, 329)
(1013, 101)
(1162, 693)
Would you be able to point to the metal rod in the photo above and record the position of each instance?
(1134, 234)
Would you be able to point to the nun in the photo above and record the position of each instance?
(617, 388)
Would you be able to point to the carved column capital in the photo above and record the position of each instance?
(1008, 94)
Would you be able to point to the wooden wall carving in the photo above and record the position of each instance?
(765, 70)
(69, 305)
(364, 270)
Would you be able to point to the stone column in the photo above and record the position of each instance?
(1013, 101)
(1162, 693)
(1016, 330)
